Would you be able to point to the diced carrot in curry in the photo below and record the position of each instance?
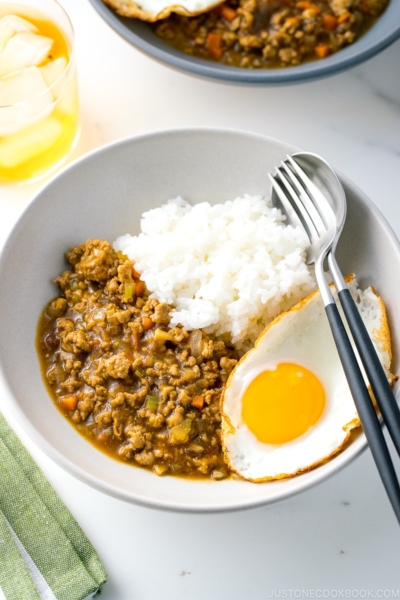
(198, 402)
(226, 12)
(135, 274)
(343, 18)
(103, 437)
(135, 339)
(69, 402)
(322, 51)
(139, 288)
(329, 22)
(308, 5)
(291, 21)
(214, 45)
(147, 323)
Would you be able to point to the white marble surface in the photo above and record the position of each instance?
(340, 538)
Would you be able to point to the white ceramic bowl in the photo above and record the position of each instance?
(103, 195)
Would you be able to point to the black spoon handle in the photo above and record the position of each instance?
(373, 367)
(365, 408)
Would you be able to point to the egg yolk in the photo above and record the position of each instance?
(280, 405)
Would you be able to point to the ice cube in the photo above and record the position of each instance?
(52, 73)
(24, 50)
(12, 24)
(27, 144)
(18, 24)
(22, 86)
(27, 95)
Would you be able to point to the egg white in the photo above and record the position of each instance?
(302, 336)
(153, 10)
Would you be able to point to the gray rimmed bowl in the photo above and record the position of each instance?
(103, 195)
(139, 34)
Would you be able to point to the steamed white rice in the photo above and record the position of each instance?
(230, 267)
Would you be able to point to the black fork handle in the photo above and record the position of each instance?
(373, 367)
(365, 408)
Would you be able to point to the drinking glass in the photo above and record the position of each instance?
(39, 121)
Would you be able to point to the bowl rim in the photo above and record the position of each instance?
(13, 410)
(223, 73)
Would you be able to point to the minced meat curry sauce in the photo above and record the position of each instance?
(270, 33)
(137, 389)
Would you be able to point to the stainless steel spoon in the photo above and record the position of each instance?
(314, 199)
(330, 192)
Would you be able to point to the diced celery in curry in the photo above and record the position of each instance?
(129, 290)
(180, 433)
(151, 402)
(162, 336)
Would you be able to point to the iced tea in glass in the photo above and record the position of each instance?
(38, 90)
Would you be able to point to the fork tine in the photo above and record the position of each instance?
(288, 208)
(308, 203)
(303, 215)
(317, 197)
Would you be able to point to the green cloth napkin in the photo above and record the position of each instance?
(44, 554)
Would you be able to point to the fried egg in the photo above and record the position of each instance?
(153, 10)
(287, 406)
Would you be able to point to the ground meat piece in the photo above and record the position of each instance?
(250, 41)
(136, 437)
(340, 6)
(146, 459)
(101, 392)
(156, 420)
(64, 280)
(57, 307)
(118, 416)
(99, 261)
(104, 418)
(125, 272)
(64, 326)
(227, 363)
(117, 366)
(91, 379)
(219, 474)
(86, 401)
(207, 349)
(161, 314)
(126, 451)
(122, 316)
(75, 254)
(160, 470)
(376, 7)
(178, 334)
(176, 418)
(113, 285)
(288, 55)
(78, 341)
(135, 326)
(70, 385)
(118, 400)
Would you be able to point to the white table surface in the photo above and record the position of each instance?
(339, 539)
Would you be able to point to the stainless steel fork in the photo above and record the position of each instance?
(308, 207)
